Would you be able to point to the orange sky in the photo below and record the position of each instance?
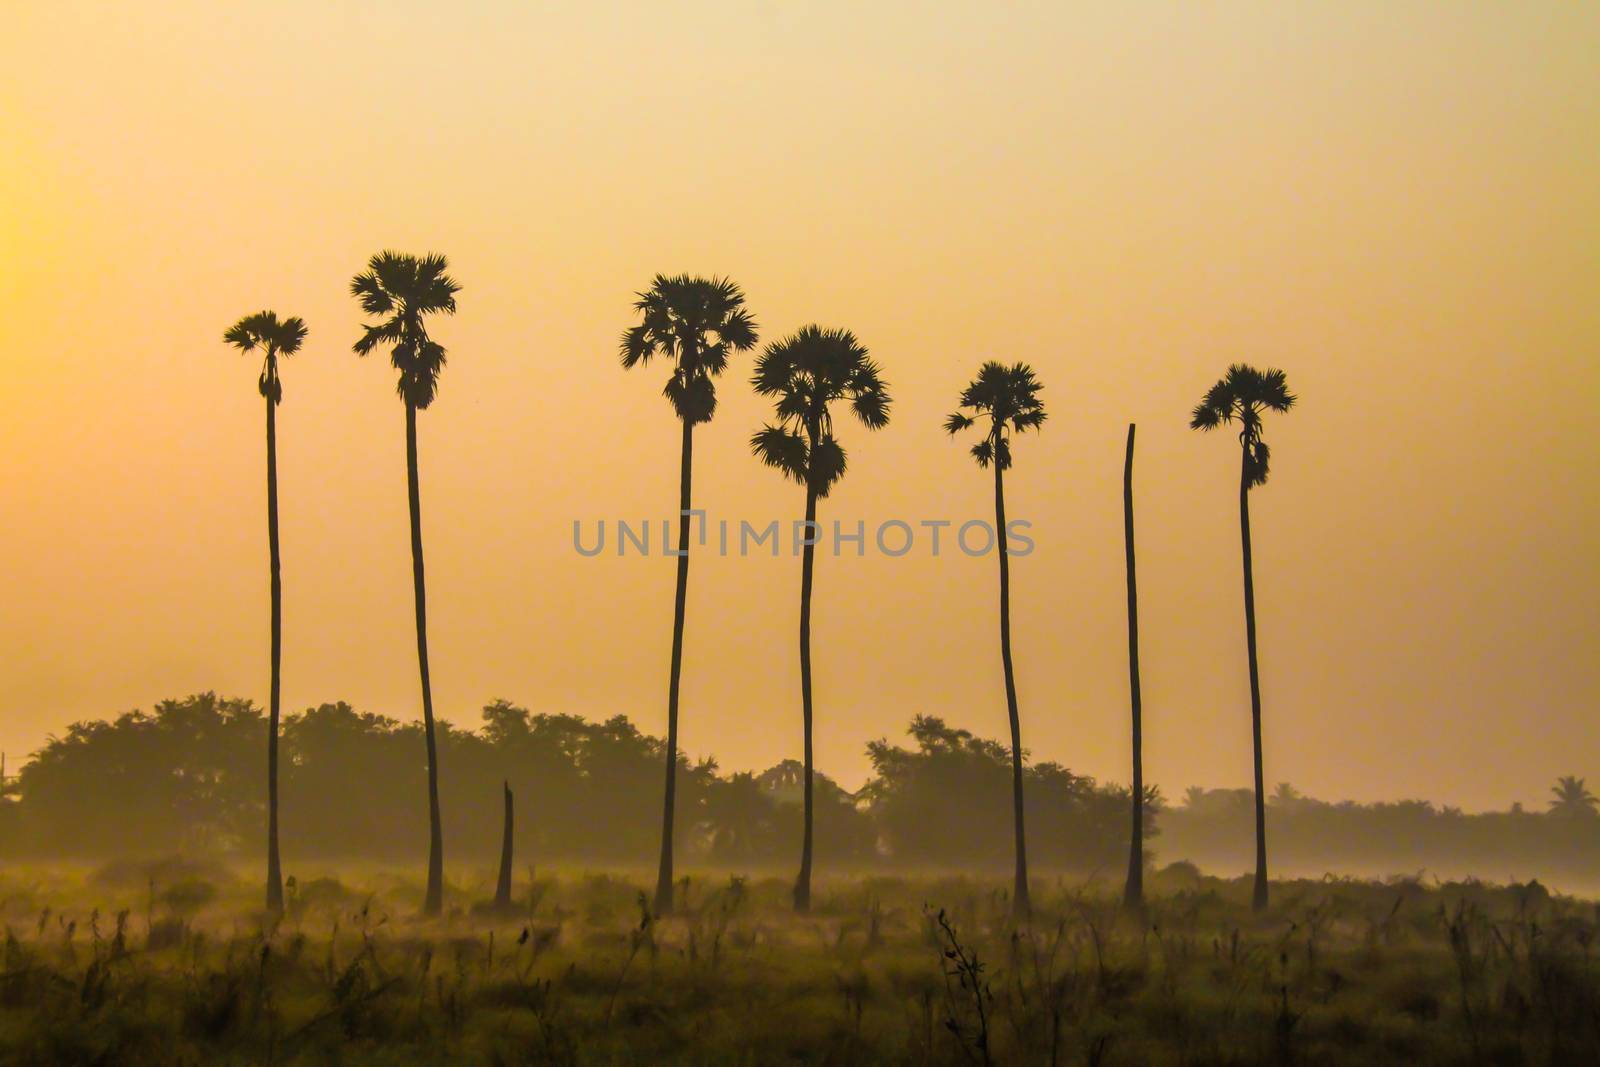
(1395, 202)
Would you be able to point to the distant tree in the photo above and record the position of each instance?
(1285, 795)
(739, 819)
(274, 339)
(936, 804)
(807, 373)
(1008, 397)
(1194, 796)
(694, 323)
(1572, 798)
(183, 777)
(1243, 395)
(403, 291)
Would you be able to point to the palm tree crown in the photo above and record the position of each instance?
(275, 338)
(1243, 394)
(405, 288)
(1572, 797)
(807, 372)
(694, 322)
(1009, 398)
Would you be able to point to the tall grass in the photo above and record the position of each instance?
(899, 971)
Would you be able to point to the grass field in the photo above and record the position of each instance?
(134, 965)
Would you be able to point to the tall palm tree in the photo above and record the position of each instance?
(1572, 797)
(1243, 395)
(1008, 397)
(275, 338)
(807, 372)
(694, 323)
(1133, 893)
(403, 291)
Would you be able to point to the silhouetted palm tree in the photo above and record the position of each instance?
(807, 373)
(275, 339)
(1285, 795)
(1009, 398)
(1133, 893)
(403, 290)
(1572, 797)
(694, 323)
(1243, 395)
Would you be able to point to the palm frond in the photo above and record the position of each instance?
(1009, 398)
(406, 289)
(781, 449)
(1241, 394)
(695, 323)
(807, 373)
(827, 466)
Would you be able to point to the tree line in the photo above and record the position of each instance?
(186, 778)
(696, 326)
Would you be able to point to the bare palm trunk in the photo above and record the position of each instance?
(502, 889)
(1020, 904)
(1259, 900)
(274, 871)
(663, 902)
(433, 902)
(802, 885)
(1133, 895)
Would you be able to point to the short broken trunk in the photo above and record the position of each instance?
(502, 891)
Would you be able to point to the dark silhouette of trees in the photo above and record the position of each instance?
(1133, 892)
(403, 290)
(1009, 398)
(936, 804)
(185, 778)
(694, 323)
(275, 339)
(1572, 798)
(807, 373)
(1243, 395)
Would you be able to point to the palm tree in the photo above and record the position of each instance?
(1009, 398)
(807, 373)
(403, 290)
(1572, 797)
(695, 323)
(1133, 893)
(1285, 795)
(1243, 395)
(275, 339)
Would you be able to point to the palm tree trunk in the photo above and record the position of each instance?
(433, 902)
(802, 885)
(663, 902)
(274, 871)
(1259, 900)
(502, 889)
(1133, 895)
(1019, 903)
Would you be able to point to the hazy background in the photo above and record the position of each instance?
(1395, 202)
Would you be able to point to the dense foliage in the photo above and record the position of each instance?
(188, 777)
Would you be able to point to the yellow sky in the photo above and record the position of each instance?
(1396, 202)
